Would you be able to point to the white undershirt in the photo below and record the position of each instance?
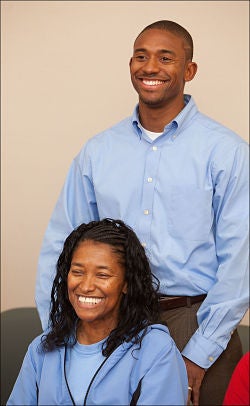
(152, 135)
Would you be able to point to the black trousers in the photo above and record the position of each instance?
(182, 323)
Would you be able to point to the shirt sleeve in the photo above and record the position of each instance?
(228, 298)
(165, 382)
(24, 391)
(76, 205)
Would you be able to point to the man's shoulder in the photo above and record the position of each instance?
(213, 128)
(108, 139)
(119, 128)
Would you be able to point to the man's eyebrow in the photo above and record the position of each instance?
(139, 50)
(161, 51)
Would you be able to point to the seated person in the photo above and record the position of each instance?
(105, 344)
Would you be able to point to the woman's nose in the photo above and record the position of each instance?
(88, 284)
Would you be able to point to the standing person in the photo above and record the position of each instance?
(105, 345)
(180, 180)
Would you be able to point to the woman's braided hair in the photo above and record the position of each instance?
(139, 306)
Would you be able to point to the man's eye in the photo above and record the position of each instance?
(140, 57)
(165, 59)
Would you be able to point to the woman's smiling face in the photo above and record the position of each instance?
(96, 284)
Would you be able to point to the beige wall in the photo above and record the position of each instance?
(65, 77)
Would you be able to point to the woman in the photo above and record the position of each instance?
(105, 345)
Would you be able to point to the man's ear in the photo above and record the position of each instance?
(190, 71)
(130, 61)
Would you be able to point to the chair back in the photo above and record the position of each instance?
(18, 328)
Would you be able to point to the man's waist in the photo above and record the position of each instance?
(172, 302)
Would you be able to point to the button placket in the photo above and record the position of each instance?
(151, 167)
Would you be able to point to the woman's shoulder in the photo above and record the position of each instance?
(36, 348)
(158, 334)
(158, 329)
(157, 347)
(37, 340)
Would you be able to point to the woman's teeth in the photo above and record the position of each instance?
(91, 300)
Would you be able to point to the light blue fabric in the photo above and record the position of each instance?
(85, 359)
(158, 363)
(186, 196)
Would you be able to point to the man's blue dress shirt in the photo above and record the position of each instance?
(186, 196)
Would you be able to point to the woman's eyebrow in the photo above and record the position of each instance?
(100, 266)
(76, 264)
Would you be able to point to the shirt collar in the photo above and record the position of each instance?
(185, 114)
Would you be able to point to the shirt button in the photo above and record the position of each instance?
(144, 244)
(210, 359)
(154, 148)
(146, 212)
(150, 180)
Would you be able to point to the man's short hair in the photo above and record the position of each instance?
(176, 29)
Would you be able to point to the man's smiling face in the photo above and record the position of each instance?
(159, 67)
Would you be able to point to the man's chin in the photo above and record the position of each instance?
(153, 103)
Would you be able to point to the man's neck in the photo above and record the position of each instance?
(155, 119)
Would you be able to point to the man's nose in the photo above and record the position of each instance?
(151, 65)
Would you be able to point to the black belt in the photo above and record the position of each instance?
(172, 302)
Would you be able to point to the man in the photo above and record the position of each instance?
(179, 179)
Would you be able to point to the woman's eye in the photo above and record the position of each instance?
(103, 275)
(76, 272)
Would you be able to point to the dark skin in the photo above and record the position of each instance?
(160, 55)
(96, 284)
(159, 68)
(195, 378)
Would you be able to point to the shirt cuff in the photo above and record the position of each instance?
(202, 351)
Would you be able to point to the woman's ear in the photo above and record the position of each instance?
(125, 288)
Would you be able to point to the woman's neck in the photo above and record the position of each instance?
(91, 333)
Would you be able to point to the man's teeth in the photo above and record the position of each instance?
(153, 82)
(92, 300)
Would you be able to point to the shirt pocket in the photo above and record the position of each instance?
(190, 213)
